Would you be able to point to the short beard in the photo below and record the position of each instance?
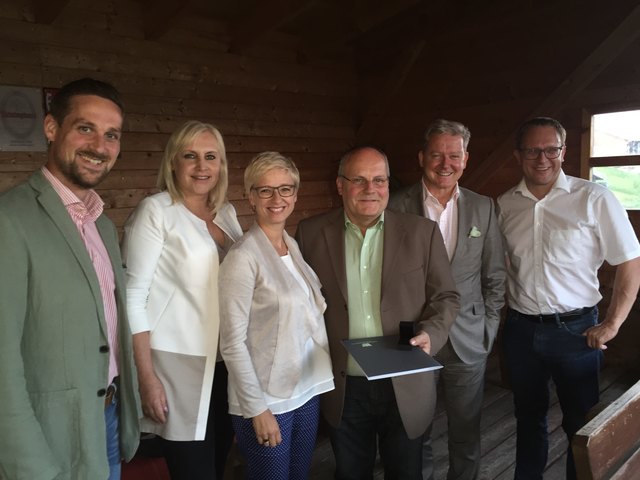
(72, 172)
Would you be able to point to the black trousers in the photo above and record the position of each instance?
(206, 459)
(370, 422)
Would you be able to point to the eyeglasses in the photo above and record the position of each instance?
(533, 153)
(267, 192)
(377, 182)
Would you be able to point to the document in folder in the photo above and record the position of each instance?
(383, 357)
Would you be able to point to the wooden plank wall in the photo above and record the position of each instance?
(492, 84)
(266, 100)
(261, 100)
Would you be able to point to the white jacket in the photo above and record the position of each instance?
(172, 292)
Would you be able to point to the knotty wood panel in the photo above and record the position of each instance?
(264, 100)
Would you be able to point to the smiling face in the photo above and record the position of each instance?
(364, 204)
(443, 160)
(540, 173)
(197, 167)
(273, 211)
(86, 145)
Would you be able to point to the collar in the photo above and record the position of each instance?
(89, 210)
(427, 196)
(561, 183)
(378, 225)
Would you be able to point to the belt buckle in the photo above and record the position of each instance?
(108, 398)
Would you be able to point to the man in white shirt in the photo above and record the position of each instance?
(558, 232)
(474, 246)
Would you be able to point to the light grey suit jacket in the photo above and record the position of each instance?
(416, 286)
(53, 343)
(477, 266)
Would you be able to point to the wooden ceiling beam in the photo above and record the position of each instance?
(367, 17)
(601, 57)
(161, 15)
(268, 15)
(392, 85)
(46, 11)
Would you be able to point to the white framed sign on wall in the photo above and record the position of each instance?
(21, 118)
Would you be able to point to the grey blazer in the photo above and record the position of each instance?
(416, 286)
(266, 320)
(477, 266)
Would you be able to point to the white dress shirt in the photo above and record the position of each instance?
(446, 216)
(556, 245)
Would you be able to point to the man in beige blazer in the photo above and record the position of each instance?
(378, 268)
(469, 225)
(68, 389)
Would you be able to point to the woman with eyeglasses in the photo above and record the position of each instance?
(273, 337)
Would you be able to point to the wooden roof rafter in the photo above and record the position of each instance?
(392, 85)
(601, 57)
(46, 11)
(161, 16)
(267, 16)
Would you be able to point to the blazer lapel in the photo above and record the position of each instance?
(52, 205)
(464, 225)
(334, 238)
(417, 205)
(394, 234)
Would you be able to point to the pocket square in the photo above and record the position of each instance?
(474, 232)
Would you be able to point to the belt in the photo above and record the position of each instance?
(555, 317)
(108, 398)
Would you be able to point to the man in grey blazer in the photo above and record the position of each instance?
(474, 247)
(68, 389)
(378, 268)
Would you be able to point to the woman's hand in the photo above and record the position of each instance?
(153, 399)
(267, 429)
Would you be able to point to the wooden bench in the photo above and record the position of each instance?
(608, 447)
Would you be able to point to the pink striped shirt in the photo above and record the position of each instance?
(84, 215)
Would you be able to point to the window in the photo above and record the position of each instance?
(614, 154)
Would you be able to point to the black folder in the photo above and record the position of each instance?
(382, 357)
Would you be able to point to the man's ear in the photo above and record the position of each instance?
(50, 127)
(339, 185)
(421, 158)
(516, 154)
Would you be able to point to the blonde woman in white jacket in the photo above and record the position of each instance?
(173, 244)
(273, 337)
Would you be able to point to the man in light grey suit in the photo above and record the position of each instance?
(470, 230)
(68, 389)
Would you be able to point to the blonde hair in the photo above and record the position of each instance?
(176, 144)
(265, 162)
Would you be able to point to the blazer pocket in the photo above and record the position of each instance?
(58, 414)
(478, 308)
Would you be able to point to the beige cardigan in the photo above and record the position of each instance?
(266, 319)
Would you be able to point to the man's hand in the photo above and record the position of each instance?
(599, 335)
(423, 341)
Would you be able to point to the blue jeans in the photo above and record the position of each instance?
(113, 439)
(370, 419)
(536, 353)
